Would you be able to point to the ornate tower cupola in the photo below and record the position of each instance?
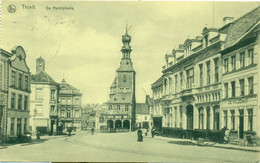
(40, 64)
(126, 49)
(126, 63)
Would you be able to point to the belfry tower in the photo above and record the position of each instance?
(122, 91)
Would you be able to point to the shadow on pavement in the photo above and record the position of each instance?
(215, 145)
(182, 142)
(35, 141)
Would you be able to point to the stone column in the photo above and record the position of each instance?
(204, 117)
(195, 117)
(184, 117)
(211, 118)
(114, 123)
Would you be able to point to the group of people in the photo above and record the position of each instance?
(140, 134)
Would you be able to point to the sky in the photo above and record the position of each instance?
(83, 44)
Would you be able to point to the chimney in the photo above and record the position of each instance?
(227, 20)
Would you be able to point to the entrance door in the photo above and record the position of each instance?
(241, 124)
(208, 118)
(189, 109)
(52, 123)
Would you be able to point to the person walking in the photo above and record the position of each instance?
(222, 134)
(70, 130)
(153, 130)
(38, 134)
(139, 135)
(92, 130)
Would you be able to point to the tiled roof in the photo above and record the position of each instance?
(113, 84)
(42, 77)
(67, 88)
(121, 98)
(240, 26)
(142, 108)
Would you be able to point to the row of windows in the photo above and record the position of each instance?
(20, 102)
(232, 121)
(119, 107)
(241, 86)
(243, 60)
(69, 100)
(19, 126)
(68, 114)
(169, 116)
(19, 80)
(39, 94)
(190, 77)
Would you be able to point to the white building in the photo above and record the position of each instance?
(44, 100)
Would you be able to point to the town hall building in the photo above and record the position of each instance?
(120, 109)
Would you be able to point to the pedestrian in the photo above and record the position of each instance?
(226, 137)
(70, 130)
(92, 130)
(222, 134)
(153, 130)
(139, 135)
(147, 130)
(38, 134)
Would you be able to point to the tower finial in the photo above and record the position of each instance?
(126, 30)
(63, 80)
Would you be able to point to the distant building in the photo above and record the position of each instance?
(157, 110)
(70, 99)
(15, 119)
(44, 100)
(143, 118)
(120, 110)
(211, 81)
(96, 119)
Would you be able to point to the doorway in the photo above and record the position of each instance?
(189, 109)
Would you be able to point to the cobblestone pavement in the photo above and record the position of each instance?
(121, 147)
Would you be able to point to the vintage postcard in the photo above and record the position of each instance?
(129, 81)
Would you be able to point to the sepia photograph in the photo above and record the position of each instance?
(129, 81)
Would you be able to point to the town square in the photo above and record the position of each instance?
(130, 81)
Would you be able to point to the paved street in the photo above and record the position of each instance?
(120, 147)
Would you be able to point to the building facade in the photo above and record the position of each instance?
(4, 74)
(120, 110)
(189, 97)
(143, 118)
(44, 101)
(70, 99)
(18, 112)
(240, 86)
